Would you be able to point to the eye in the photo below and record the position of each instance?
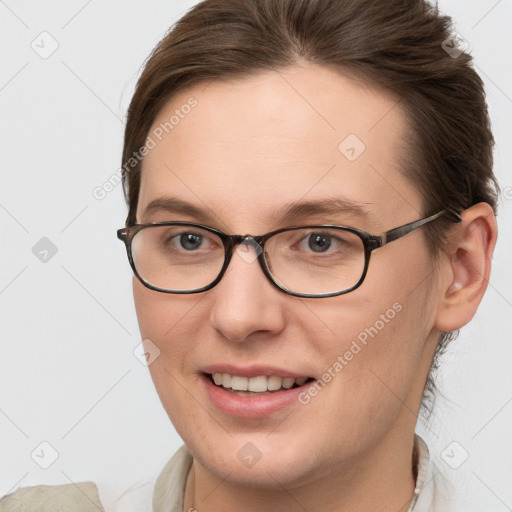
(176, 239)
(319, 242)
(309, 242)
(190, 241)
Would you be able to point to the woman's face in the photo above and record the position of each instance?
(242, 155)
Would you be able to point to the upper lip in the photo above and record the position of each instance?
(251, 371)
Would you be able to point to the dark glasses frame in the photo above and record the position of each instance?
(370, 244)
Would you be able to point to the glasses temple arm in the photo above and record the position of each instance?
(396, 233)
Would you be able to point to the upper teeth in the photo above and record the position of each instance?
(256, 384)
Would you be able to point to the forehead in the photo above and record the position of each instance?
(244, 148)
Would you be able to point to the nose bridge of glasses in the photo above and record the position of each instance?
(243, 247)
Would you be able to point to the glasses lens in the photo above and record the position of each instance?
(316, 260)
(177, 258)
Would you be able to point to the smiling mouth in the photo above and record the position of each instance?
(256, 386)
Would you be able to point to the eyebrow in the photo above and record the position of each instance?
(287, 213)
(177, 206)
(328, 206)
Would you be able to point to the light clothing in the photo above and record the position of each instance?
(165, 493)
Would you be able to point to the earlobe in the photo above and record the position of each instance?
(467, 268)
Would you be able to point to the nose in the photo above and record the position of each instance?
(244, 301)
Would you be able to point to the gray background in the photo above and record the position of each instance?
(68, 373)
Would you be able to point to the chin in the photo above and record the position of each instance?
(257, 459)
(243, 463)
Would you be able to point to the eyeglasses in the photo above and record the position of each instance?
(304, 261)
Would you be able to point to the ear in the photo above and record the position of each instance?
(467, 267)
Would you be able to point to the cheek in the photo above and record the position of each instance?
(373, 342)
(368, 342)
(162, 315)
(369, 372)
(169, 321)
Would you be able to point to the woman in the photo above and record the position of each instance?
(294, 114)
(311, 218)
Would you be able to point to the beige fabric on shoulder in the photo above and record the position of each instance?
(170, 485)
(79, 497)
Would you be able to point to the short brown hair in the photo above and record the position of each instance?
(396, 45)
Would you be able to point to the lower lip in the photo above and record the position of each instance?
(250, 406)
